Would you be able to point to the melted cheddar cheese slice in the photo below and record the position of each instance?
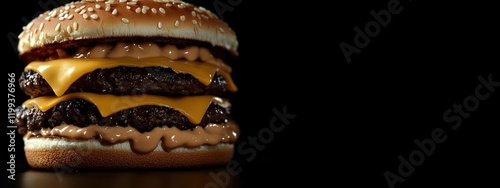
(61, 73)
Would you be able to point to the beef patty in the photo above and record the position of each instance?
(81, 113)
(128, 81)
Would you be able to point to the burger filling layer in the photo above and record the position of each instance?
(143, 91)
(144, 118)
(128, 81)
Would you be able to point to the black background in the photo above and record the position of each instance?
(353, 119)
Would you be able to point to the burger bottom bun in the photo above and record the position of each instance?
(59, 152)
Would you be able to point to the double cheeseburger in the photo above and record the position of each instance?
(127, 84)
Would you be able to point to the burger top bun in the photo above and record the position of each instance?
(99, 19)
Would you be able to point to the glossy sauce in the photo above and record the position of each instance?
(148, 49)
(170, 138)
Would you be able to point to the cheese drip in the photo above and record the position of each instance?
(193, 107)
(61, 73)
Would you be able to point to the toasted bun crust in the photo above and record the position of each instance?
(58, 152)
(96, 19)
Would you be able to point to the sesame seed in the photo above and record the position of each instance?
(72, 6)
(221, 30)
(75, 26)
(108, 7)
(137, 10)
(204, 16)
(153, 10)
(131, 3)
(61, 18)
(97, 6)
(58, 27)
(129, 7)
(83, 12)
(42, 35)
(183, 18)
(125, 20)
(168, 5)
(90, 9)
(94, 16)
(176, 23)
(47, 18)
(53, 13)
(70, 17)
(29, 25)
(85, 16)
(160, 24)
(145, 9)
(114, 12)
(194, 22)
(123, 1)
(41, 26)
(162, 10)
(69, 29)
(181, 5)
(193, 13)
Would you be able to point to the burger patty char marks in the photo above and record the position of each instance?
(81, 113)
(128, 81)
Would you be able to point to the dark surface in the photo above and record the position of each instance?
(346, 124)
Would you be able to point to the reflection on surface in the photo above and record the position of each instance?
(206, 177)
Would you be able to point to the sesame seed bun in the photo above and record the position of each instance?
(99, 19)
(59, 152)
